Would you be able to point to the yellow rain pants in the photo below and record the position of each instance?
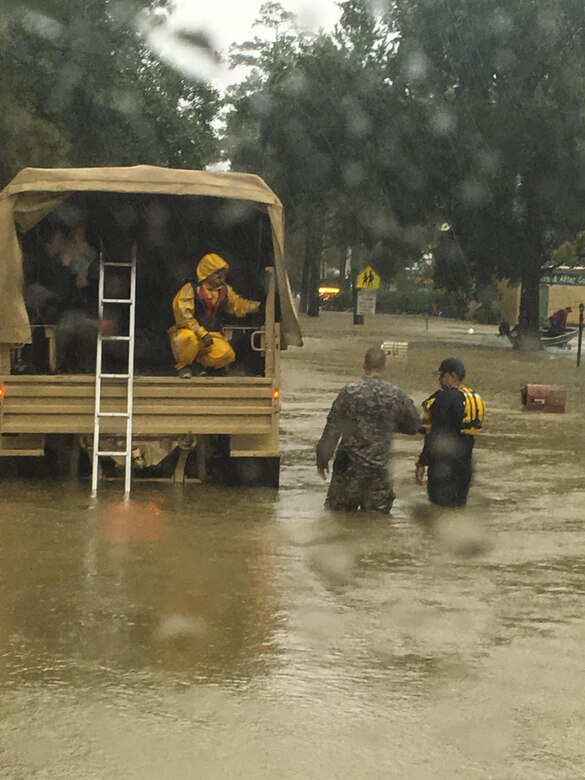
(187, 349)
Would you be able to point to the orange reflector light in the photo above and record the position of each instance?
(1, 392)
(276, 393)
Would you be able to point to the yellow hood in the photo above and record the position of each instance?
(208, 265)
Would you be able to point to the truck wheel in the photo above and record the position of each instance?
(255, 472)
(31, 468)
(63, 453)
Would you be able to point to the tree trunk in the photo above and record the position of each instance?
(342, 263)
(304, 284)
(312, 263)
(356, 267)
(529, 340)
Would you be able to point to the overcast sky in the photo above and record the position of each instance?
(226, 22)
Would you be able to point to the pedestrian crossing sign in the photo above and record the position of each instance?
(368, 279)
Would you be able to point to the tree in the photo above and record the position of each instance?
(27, 137)
(89, 92)
(448, 111)
(309, 119)
(497, 90)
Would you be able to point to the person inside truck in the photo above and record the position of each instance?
(76, 325)
(199, 308)
(57, 294)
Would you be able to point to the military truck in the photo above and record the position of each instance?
(163, 221)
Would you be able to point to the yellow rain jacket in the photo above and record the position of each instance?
(198, 308)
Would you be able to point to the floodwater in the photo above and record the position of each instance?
(210, 633)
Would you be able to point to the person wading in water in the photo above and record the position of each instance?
(452, 417)
(364, 416)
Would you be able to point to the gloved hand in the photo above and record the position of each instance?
(207, 340)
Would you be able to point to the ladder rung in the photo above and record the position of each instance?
(127, 298)
(113, 453)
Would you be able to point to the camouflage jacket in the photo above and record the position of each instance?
(364, 415)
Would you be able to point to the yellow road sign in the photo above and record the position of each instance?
(368, 279)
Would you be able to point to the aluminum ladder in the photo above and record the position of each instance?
(129, 302)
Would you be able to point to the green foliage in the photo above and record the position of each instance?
(408, 296)
(308, 119)
(82, 89)
(489, 310)
(27, 136)
(439, 111)
(498, 91)
(407, 301)
(27, 140)
(570, 253)
(456, 111)
(341, 302)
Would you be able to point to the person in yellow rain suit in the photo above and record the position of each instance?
(198, 309)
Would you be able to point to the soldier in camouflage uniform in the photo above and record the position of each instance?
(364, 415)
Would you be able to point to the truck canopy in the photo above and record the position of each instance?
(35, 192)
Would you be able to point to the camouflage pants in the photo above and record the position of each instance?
(354, 487)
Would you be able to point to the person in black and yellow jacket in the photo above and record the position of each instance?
(199, 307)
(452, 417)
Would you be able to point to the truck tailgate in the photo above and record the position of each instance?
(162, 405)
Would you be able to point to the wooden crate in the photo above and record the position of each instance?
(397, 350)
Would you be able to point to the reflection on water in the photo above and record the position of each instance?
(249, 633)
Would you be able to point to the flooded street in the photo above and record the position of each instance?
(235, 633)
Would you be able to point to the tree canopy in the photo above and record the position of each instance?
(81, 88)
(410, 115)
(503, 159)
(310, 119)
(436, 111)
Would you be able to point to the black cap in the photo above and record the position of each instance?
(452, 366)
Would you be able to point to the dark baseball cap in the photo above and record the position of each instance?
(452, 366)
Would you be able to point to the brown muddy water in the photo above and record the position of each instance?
(211, 633)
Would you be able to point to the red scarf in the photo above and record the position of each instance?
(212, 309)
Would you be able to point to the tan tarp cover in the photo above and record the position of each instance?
(35, 192)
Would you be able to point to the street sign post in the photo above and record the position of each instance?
(367, 284)
(366, 302)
